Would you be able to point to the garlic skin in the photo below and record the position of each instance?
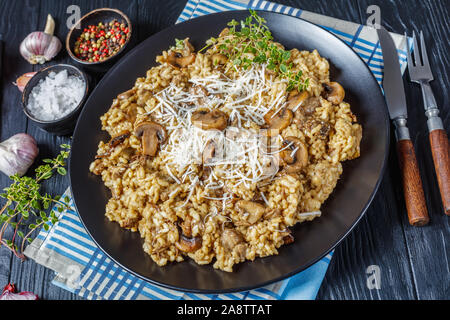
(9, 293)
(40, 47)
(17, 154)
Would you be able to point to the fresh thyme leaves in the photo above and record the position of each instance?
(24, 200)
(252, 43)
(179, 45)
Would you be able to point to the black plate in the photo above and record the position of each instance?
(313, 240)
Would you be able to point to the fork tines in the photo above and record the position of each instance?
(419, 68)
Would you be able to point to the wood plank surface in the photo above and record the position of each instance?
(413, 262)
(426, 275)
(13, 119)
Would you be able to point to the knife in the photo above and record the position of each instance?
(394, 93)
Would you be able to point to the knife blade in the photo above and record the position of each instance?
(394, 93)
(392, 79)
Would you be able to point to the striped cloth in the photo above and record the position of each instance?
(81, 267)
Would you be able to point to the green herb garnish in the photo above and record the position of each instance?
(250, 41)
(24, 200)
(179, 45)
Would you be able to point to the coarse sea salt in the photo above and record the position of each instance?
(56, 96)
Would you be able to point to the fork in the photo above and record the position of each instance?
(420, 72)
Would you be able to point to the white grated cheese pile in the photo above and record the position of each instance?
(56, 96)
(242, 99)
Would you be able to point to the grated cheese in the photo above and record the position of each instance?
(242, 158)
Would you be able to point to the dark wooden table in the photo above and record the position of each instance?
(413, 262)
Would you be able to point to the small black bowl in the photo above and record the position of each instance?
(103, 15)
(64, 125)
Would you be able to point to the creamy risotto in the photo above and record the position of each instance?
(215, 159)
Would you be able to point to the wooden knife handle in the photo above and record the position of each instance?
(440, 151)
(412, 184)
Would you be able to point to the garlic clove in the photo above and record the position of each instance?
(53, 49)
(17, 154)
(38, 46)
(22, 81)
(49, 25)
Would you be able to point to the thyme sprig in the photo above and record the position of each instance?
(24, 200)
(251, 41)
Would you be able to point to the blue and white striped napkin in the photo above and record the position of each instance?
(81, 267)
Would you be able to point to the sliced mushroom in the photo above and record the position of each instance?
(184, 58)
(152, 135)
(230, 238)
(131, 112)
(126, 94)
(296, 99)
(333, 92)
(254, 210)
(186, 226)
(206, 172)
(209, 152)
(219, 58)
(279, 121)
(241, 251)
(310, 105)
(295, 156)
(209, 120)
(114, 142)
(177, 60)
(188, 47)
(288, 239)
(187, 244)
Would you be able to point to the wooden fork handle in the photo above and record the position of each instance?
(440, 151)
(412, 184)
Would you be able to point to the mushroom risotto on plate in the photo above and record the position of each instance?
(216, 153)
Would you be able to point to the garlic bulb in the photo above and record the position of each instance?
(9, 293)
(17, 154)
(22, 81)
(38, 46)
